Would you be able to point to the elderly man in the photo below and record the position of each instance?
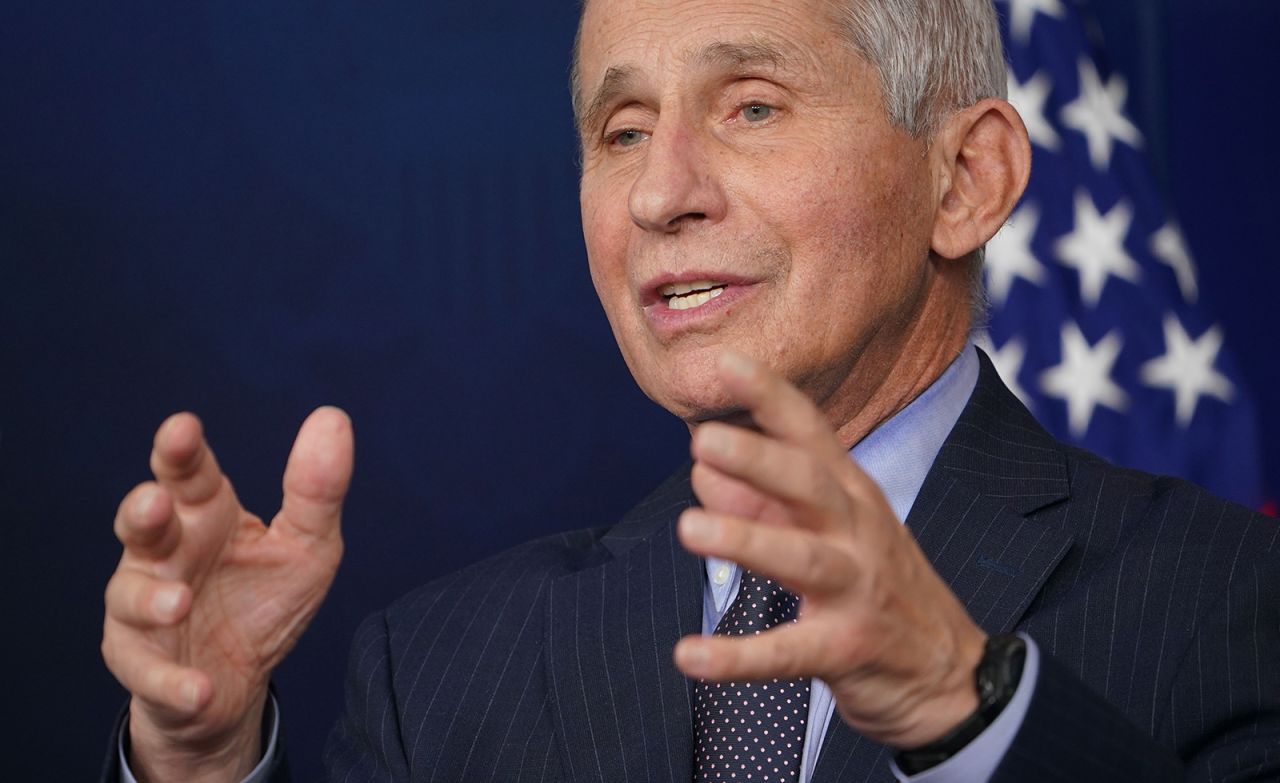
(784, 205)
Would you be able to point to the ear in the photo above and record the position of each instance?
(984, 159)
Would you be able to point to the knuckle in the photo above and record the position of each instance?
(849, 645)
(113, 657)
(737, 534)
(785, 655)
(810, 475)
(126, 511)
(114, 598)
(818, 562)
(736, 445)
(158, 680)
(107, 649)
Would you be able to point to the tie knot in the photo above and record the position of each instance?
(761, 604)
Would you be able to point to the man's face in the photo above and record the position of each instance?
(742, 187)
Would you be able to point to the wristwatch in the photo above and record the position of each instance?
(996, 679)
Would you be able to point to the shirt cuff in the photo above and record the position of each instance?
(259, 773)
(979, 759)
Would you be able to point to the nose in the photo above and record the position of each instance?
(677, 185)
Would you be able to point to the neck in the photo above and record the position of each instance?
(903, 365)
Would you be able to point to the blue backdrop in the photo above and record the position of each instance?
(248, 210)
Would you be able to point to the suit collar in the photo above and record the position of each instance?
(977, 516)
(623, 709)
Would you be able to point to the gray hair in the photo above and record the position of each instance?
(934, 56)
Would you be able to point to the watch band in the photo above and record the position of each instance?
(996, 679)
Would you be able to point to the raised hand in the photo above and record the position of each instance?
(877, 624)
(207, 600)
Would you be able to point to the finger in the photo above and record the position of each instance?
(141, 601)
(780, 470)
(799, 560)
(317, 476)
(778, 407)
(787, 652)
(724, 494)
(146, 524)
(783, 411)
(153, 678)
(183, 462)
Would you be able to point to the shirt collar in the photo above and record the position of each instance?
(897, 455)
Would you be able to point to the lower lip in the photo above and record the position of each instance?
(666, 322)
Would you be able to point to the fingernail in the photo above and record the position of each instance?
(191, 694)
(165, 603)
(693, 657)
(146, 501)
(699, 526)
(713, 438)
(167, 426)
(736, 364)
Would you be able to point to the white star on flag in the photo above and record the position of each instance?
(1098, 113)
(1092, 250)
(1022, 15)
(1095, 248)
(1170, 248)
(1030, 100)
(1008, 362)
(1187, 369)
(1083, 378)
(1009, 254)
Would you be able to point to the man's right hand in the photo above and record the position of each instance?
(207, 600)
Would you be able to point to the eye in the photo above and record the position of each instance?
(627, 138)
(756, 112)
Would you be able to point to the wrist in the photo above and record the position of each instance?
(157, 753)
(995, 680)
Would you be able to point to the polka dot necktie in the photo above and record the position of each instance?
(751, 731)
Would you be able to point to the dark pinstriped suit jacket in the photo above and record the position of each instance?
(1156, 607)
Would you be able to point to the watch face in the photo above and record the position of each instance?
(986, 688)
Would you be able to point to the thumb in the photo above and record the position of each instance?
(317, 476)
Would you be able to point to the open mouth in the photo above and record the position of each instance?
(686, 296)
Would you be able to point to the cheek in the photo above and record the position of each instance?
(865, 221)
(605, 236)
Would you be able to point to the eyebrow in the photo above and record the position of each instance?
(617, 80)
(720, 55)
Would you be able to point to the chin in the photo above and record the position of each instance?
(692, 399)
(685, 381)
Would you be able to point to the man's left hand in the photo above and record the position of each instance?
(877, 624)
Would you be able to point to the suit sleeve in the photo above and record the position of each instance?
(1220, 722)
(273, 768)
(366, 744)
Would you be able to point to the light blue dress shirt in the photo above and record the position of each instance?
(897, 455)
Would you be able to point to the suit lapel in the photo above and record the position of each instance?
(980, 519)
(622, 708)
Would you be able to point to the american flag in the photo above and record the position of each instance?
(1095, 319)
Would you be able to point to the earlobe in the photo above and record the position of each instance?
(986, 159)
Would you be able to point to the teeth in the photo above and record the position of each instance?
(677, 289)
(690, 300)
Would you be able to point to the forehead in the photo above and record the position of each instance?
(648, 35)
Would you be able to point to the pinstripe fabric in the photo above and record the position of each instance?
(1155, 606)
(550, 662)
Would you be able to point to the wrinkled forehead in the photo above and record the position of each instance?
(642, 38)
